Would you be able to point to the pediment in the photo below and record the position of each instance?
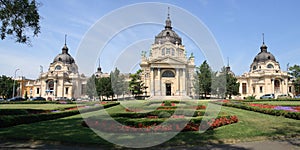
(167, 60)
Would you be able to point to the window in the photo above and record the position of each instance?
(37, 90)
(290, 89)
(254, 67)
(173, 52)
(244, 88)
(261, 89)
(67, 90)
(163, 51)
(167, 51)
(168, 73)
(253, 89)
(270, 66)
(58, 67)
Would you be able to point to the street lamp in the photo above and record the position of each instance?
(14, 83)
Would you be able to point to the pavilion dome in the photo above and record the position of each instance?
(264, 55)
(168, 34)
(64, 57)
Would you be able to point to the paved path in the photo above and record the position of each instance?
(291, 144)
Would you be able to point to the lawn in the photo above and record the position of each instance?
(37, 106)
(251, 126)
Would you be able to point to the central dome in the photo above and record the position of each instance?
(64, 57)
(168, 35)
(264, 55)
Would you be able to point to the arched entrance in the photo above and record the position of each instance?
(277, 86)
(168, 89)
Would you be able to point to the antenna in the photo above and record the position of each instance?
(65, 39)
(99, 62)
(263, 36)
(227, 61)
(168, 12)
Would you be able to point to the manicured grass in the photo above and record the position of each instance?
(37, 106)
(251, 126)
(282, 103)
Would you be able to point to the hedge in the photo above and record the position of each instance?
(38, 102)
(12, 120)
(21, 111)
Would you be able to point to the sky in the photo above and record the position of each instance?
(235, 25)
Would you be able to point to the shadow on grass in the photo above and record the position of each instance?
(292, 139)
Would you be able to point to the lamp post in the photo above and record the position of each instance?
(14, 82)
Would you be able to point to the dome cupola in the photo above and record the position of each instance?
(64, 57)
(264, 55)
(168, 35)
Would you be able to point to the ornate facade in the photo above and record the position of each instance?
(167, 71)
(264, 77)
(61, 80)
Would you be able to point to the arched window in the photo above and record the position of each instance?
(167, 51)
(270, 66)
(168, 73)
(58, 67)
(254, 67)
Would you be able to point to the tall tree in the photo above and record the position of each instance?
(90, 89)
(104, 87)
(203, 79)
(6, 86)
(117, 82)
(136, 86)
(19, 19)
(295, 73)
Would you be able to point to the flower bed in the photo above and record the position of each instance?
(286, 111)
(167, 117)
(285, 108)
(156, 125)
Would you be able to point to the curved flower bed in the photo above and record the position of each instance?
(156, 126)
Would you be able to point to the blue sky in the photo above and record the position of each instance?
(236, 25)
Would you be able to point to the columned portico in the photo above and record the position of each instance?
(168, 65)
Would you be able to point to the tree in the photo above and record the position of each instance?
(104, 88)
(6, 86)
(90, 89)
(136, 86)
(203, 79)
(295, 73)
(19, 18)
(117, 82)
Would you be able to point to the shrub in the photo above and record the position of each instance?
(164, 114)
(167, 103)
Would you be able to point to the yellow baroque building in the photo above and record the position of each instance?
(61, 81)
(167, 71)
(264, 77)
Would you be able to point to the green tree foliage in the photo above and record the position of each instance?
(6, 86)
(104, 87)
(18, 19)
(136, 86)
(118, 82)
(295, 73)
(90, 89)
(203, 79)
(232, 86)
